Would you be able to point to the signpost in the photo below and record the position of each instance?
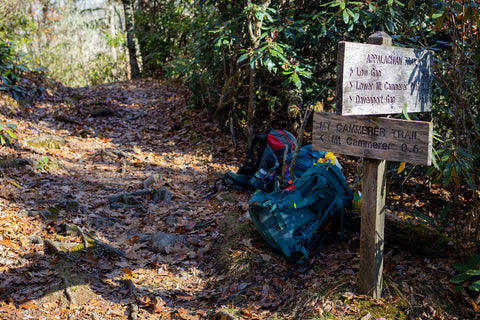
(375, 79)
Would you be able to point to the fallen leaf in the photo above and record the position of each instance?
(159, 305)
(186, 315)
(401, 167)
(30, 304)
(132, 240)
(348, 295)
(368, 316)
(127, 271)
(184, 297)
(474, 305)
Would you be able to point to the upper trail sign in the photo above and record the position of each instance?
(375, 80)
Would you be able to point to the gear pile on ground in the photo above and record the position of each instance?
(103, 217)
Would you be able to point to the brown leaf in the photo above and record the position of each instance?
(132, 240)
(186, 315)
(184, 297)
(87, 257)
(159, 306)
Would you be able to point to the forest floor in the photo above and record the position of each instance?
(103, 216)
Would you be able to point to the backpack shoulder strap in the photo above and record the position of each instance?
(252, 160)
(292, 142)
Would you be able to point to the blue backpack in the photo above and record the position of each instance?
(306, 158)
(293, 219)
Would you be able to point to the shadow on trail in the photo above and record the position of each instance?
(110, 129)
(119, 271)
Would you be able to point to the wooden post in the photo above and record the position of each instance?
(373, 213)
(372, 227)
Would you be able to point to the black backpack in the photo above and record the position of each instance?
(265, 158)
(263, 163)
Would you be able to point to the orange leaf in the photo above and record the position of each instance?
(401, 167)
(474, 305)
(159, 306)
(127, 271)
(132, 240)
(6, 243)
(185, 314)
(247, 313)
(28, 305)
(9, 243)
(146, 301)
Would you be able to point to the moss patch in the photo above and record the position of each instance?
(78, 286)
(431, 241)
(232, 253)
(48, 142)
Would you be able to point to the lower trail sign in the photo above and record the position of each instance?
(372, 137)
(377, 140)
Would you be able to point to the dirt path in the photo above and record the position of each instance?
(127, 180)
(116, 137)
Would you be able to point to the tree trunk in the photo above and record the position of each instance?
(255, 31)
(251, 106)
(132, 54)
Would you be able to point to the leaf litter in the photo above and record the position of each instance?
(182, 257)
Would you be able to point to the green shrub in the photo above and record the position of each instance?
(470, 272)
(43, 164)
(7, 133)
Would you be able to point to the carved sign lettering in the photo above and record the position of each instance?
(373, 79)
(372, 137)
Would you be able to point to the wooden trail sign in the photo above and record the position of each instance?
(377, 79)
(374, 79)
(372, 137)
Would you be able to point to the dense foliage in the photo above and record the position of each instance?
(12, 64)
(79, 46)
(451, 31)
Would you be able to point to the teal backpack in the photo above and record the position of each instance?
(293, 219)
